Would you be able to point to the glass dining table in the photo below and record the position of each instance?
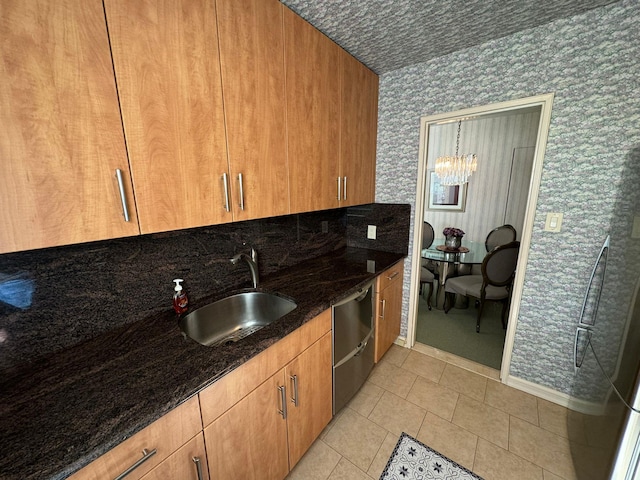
(449, 261)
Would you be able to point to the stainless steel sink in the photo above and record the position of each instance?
(234, 317)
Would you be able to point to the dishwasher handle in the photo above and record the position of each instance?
(356, 351)
(357, 296)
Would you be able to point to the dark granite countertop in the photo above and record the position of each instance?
(60, 413)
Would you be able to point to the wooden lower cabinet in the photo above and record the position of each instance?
(266, 433)
(250, 440)
(259, 419)
(165, 436)
(388, 308)
(313, 391)
(188, 462)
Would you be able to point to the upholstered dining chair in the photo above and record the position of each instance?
(427, 278)
(500, 236)
(427, 235)
(429, 270)
(498, 271)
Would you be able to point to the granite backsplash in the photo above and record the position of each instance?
(53, 298)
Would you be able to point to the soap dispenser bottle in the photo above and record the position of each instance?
(180, 300)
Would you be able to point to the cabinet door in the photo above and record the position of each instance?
(309, 389)
(388, 309)
(313, 115)
(252, 62)
(149, 447)
(249, 441)
(188, 462)
(165, 54)
(61, 138)
(359, 120)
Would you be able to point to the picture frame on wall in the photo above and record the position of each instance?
(441, 197)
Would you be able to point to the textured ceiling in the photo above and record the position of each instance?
(389, 34)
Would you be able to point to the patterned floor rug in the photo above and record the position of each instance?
(413, 460)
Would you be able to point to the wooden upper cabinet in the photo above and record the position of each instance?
(61, 138)
(359, 121)
(165, 54)
(252, 62)
(313, 115)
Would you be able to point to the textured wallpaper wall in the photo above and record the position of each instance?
(592, 64)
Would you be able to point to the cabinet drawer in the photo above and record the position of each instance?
(165, 436)
(183, 464)
(390, 275)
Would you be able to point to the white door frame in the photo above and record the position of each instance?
(545, 102)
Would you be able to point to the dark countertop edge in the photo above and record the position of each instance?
(151, 360)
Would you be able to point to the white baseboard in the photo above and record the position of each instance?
(554, 396)
(526, 386)
(539, 391)
(402, 341)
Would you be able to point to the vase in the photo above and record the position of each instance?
(453, 242)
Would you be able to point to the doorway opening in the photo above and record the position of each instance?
(509, 139)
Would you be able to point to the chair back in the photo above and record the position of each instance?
(500, 236)
(499, 266)
(427, 235)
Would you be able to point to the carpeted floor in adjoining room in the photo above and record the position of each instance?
(455, 332)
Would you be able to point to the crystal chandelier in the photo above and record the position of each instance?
(456, 170)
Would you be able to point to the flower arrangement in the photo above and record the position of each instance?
(453, 232)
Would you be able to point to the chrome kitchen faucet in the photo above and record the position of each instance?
(252, 261)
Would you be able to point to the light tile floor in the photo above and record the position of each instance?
(496, 431)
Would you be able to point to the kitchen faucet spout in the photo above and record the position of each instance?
(252, 261)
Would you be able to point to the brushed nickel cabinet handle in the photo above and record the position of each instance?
(123, 197)
(283, 400)
(226, 191)
(146, 455)
(384, 306)
(393, 275)
(344, 182)
(241, 191)
(339, 188)
(294, 397)
(196, 460)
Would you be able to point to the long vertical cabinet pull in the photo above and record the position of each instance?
(283, 400)
(339, 188)
(384, 306)
(196, 460)
(578, 357)
(123, 197)
(294, 397)
(344, 183)
(226, 191)
(601, 256)
(241, 191)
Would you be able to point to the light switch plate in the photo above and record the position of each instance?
(371, 232)
(554, 222)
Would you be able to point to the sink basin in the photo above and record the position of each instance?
(234, 317)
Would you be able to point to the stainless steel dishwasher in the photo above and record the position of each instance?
(353, 343)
